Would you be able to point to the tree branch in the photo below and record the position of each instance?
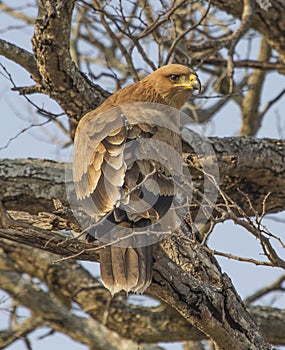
(270, 23)
(20, 330)
(150, 324)
(251, 102)
(20, 56)
(243, 163)
(244, 64)
(86, 331)
(52, 55)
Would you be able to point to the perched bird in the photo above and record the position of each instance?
(112, 179)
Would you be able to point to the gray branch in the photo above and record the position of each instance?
(150, 324)
(254, 166)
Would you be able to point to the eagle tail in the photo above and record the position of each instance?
(128, 269)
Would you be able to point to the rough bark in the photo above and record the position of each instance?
(59, 76)
(255, 166)
(151, 324)
(200, 293)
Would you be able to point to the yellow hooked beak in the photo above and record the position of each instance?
(192, 82)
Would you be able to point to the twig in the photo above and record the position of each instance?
(276, 285)
(185, 32)
(238, 258)
(165, 17)
(243, 64)
(115, 39)
(270, 103)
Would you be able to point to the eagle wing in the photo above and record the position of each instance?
(114, 153)
(99, 167)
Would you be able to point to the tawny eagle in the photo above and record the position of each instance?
(103, 177)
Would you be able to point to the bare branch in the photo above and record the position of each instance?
(271, 103)
(275, 286)
(244, 64)
(16, 14)
(20, 330)
(117, 42)
(246, 18)
(185, 32)
(239, 258)
(250, 105)
(263, 21)
(20, 56)
(87, 331)
(151, 324)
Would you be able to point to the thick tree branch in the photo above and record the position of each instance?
(60, 78)
(149, 324)
(245, 164)
(254, 166)
(86, 331)
(213, 306)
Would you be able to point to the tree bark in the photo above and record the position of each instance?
(254, 166)
(200, 293)
(59, 76)
(70, 281)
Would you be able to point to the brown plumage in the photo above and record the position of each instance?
(109, 171)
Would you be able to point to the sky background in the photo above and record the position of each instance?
(46, 142)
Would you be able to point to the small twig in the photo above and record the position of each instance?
(271, 103)
(13, 138)
(277, 285)
(164, 18)
(264, 206)
(52, 117)
(182, 35)
(28, 90)
(238, 258)
(113, 243)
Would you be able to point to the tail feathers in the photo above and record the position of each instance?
(128, 269)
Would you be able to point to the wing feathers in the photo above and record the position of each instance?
(107, 164)
(117, 137)
(114, 176)
(113, 149)
(106, 195)
(115, 162)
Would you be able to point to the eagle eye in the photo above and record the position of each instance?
(174, 78)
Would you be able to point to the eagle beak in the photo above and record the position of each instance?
(192, 83)
(195, 83)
